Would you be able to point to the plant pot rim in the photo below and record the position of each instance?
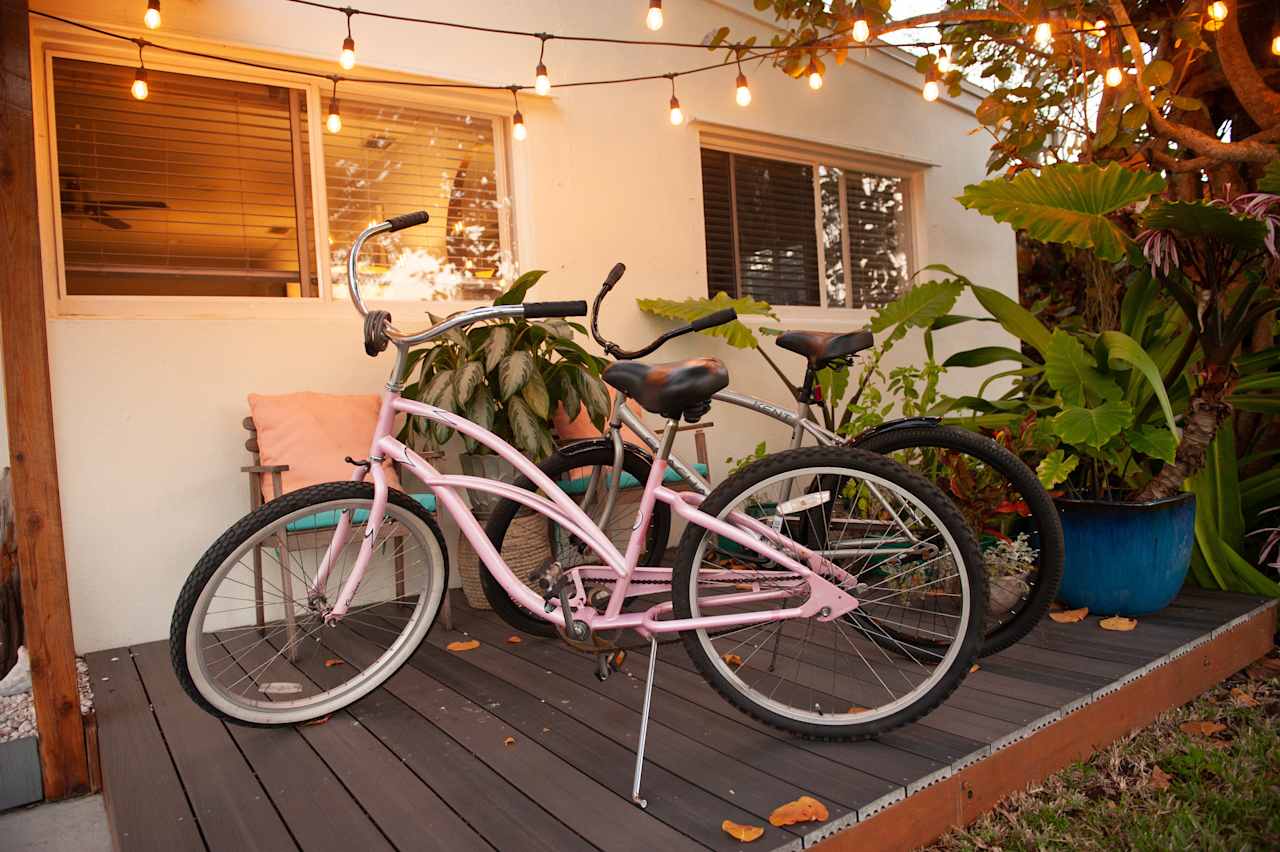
(1113, 505)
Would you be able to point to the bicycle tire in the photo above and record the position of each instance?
(728, 494)
(1044, 513)
(557, 466)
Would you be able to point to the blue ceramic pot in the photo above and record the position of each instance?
(1126, 558)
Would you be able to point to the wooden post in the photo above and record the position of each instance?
(41, 560)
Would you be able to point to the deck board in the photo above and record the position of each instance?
(423, 762)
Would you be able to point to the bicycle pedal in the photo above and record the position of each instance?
(609, 662)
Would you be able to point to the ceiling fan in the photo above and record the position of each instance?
(76, 202)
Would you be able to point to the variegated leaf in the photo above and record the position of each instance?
(513, 371)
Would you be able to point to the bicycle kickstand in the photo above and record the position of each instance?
(644, 724)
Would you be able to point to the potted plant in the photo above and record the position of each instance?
(509, 376)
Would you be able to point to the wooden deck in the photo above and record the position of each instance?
(422, 763)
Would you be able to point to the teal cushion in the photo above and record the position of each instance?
(321, 520)
(579, 485)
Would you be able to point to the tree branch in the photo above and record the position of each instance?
(1262, 104)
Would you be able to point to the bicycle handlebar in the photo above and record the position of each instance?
(700, 324)
(376, 338)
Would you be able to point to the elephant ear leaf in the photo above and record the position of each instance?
(1270, 181)
(1056, 467)
(1154, 441)
(1200, 220)
(1076, 424)
(1072, 371)
(918, 307)
(1016, 319)
(735, 333)
(1121, 347)
(1066, 203)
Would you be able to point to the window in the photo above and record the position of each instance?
(803, 233)
(206, 188)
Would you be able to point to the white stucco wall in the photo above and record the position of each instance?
(148, 410)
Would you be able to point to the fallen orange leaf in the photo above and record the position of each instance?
(731, 659)
(319, 721)
(803, 809)
(1201, 728)
(1242, 698)
(509, 741)
(1070, 616)
(857, 709)
(1159, 779)
(745, 833)
(973, 668)
(468, 645)
(334, 661)
(1118, 622)
(514, 640)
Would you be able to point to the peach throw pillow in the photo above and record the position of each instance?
(312, 433)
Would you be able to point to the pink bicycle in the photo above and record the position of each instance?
(788, 586)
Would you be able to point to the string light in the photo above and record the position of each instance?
(861, 30)
(140, 89)
(347, 58)
(1043, 34)
(151, 17)
(541, 80)
(333, 122)
(653, 20)
(815, 75)
(944, 60)
(1275, 45)
(1100, 27)
(1114, 76)
(677, 114)
(931, 89)
(1217, 13)
(518, 131)
(743, 93)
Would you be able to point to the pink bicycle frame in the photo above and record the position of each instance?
(826, 600)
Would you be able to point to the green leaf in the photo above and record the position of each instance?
(439, 390)
(1016, 319)
(1056, 467)
(1134, 117)
(1270, 180)
(535, 393)
(569, 396)
(734, 333)
(1187, 104)
(984, 355)
(526, 427)
(919, 306)
(481, 411)
(1154, 441)
(497, 345)
(1092, 426)
(513, 371)
(469, 377)
(1072, 371)
(1066, 203)
(1122, 347)
(1158, 73)
(594, 397)
(1201, 220)
(515, 295)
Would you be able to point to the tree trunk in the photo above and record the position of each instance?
(1207, 410)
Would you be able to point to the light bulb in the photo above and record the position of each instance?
(653, 20)
(347, 58)
(861, 30)
(1100, 26)
(518, 130)
(1114, 76)
(152, 16)
(140, 89)
(334, 122)
(1275, 45)
(1044, 34)
(944, 61)
(1218, 11)
(542, 82)
(677, 114)
(931, 90)
(815, 76)
(743, 95)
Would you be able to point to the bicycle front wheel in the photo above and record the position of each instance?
(1016, 522)
(249, 641)
(896, 541)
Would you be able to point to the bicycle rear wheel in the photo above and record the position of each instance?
(896, 540)
(1015, 519)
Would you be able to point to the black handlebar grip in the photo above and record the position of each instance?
(540, 310)
(713, 320)
(408, 220)
(614, 276)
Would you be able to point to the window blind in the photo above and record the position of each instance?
(392, 159)
(189, 192)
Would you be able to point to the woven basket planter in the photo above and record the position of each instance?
(525, 548)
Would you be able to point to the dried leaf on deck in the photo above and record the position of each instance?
(745, 833)
(311, 722)
(469, 645)
(1118, 622)
(1202, 728)
(508, 741)
(732, 660)
(803, 809)
(514, 640)
(973, 668)
(856, 708)
(1159, 779)
(1242, 698)
(334, 661)
(1070, 616)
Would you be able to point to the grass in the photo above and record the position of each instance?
(1205, 776)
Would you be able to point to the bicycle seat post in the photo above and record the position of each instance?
(644, 723)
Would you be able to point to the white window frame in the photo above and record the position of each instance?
(750, 143)
(53, 40)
